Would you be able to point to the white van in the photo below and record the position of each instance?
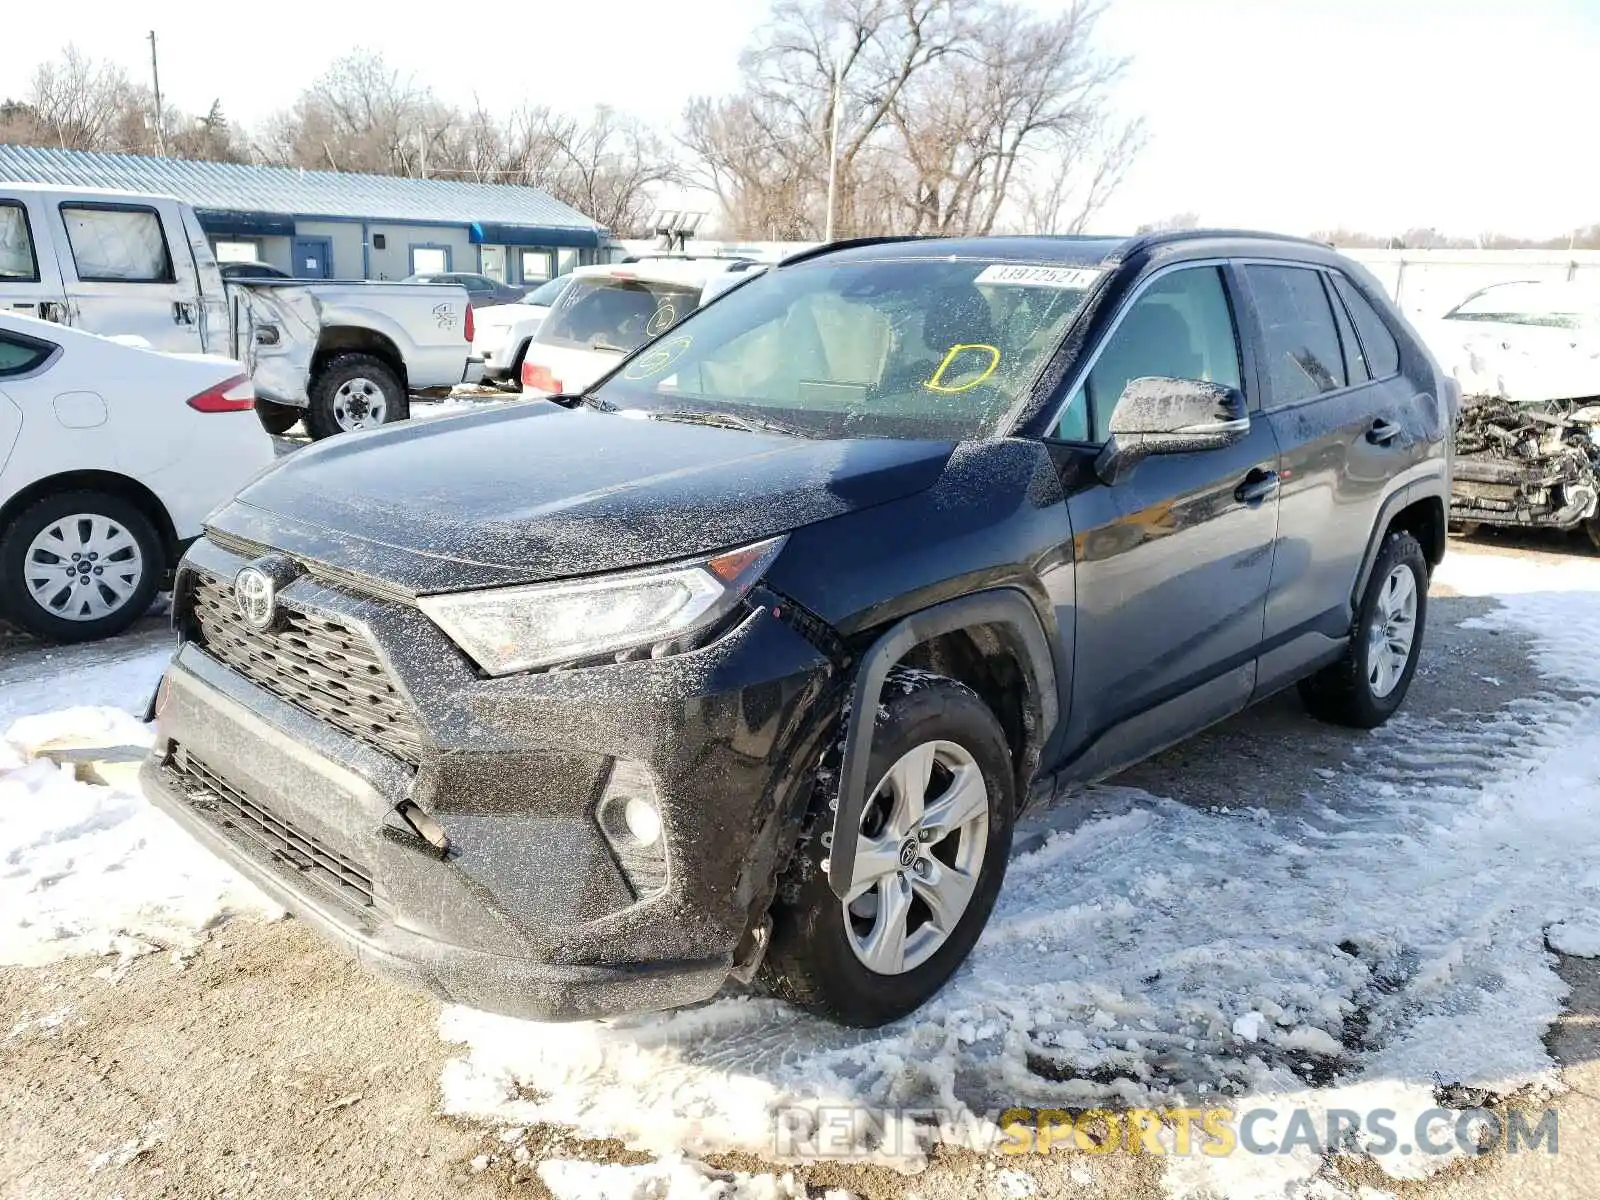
(120, 273)
(341, 355)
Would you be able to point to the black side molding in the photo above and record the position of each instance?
(1002, 606)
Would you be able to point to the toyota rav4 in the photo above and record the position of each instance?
(743, 662)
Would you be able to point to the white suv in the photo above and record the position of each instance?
(111, 455)
(609, 311)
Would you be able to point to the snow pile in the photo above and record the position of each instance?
(1357, 950)
(671, 1178)
(89, 869)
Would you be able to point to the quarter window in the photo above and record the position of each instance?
(17, 261)
(1355, 363)
(1381, 350)
(117, 245)
(1180, 327)
(1302, 344)
(19, 355)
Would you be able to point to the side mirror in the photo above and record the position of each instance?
(1156, 415)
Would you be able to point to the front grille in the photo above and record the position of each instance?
(247, 821)
(317, 663)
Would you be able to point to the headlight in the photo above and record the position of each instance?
(522, 628)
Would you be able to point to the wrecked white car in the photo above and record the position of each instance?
(1527, 357)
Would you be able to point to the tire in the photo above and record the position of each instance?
(815, 958)
(1592, 528)
(355, 391)
(1360, 690)
(278, 419)
(80, 612)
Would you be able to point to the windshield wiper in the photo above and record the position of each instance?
(573, 400)
(607, 346)
(722, 420)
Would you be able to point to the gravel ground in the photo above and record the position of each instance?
(269, 1066)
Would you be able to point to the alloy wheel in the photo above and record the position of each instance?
(918, 857)
(1392, 632)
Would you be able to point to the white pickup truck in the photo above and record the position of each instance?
(340, 355)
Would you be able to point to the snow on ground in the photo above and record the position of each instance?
(84, 868)
(1355, 950)
(670, 1178)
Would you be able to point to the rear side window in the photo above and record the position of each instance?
(117, 245)
(1382, 352)
(616, 314)
(17, 261)
(1303, 354)
(19, 355)
(1355, 363)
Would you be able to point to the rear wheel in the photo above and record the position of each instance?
(353, 392)
(78, 566)
(930, 858)
(1366, 686)
(276, 418)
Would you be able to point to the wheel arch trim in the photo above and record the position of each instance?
(1008, 607)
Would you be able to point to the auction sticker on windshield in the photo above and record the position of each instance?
(1028, 275)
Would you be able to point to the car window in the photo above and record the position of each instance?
(1180, 327)
(939, 348)
(547, 294)
(17, 261)
(474, 283)
(19, 355)
(1378, 346)
(1303, 356)
(1355, 362)
(606, 313)
(117, 245)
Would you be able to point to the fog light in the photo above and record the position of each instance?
(643, 821)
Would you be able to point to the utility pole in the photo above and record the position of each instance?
(833, 153)
(155, 77)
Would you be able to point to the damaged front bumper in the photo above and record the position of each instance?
(538, 905)
(1529, 465)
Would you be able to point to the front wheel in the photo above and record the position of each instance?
(1369, 683)
(930, 858)
(355, 391)
(79, 565)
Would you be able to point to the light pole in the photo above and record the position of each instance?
(833, 152)
(155, 78)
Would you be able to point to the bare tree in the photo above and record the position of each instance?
(954, 115)
(80, 104)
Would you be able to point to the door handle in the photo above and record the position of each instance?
(25, 306)
(1383, 432)
(1256, 487)
(182, 313)
(53, 310)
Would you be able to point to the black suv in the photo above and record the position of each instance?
(742, 663)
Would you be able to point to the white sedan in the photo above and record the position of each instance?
(111, 455)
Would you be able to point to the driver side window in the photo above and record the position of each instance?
(1181, 327)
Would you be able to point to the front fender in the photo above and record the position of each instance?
(1007, 607)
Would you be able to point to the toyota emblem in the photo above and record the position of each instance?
(253, 592)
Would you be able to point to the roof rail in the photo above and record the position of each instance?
(852, 243)
(1147, 241)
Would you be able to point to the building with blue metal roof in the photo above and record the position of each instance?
(331, 225)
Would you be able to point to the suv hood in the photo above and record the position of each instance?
(534, 492)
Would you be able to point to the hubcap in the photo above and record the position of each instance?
(1393, 631)
(82, 567)
(918, 857)
(359, 404)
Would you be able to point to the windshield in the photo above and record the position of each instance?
(604, 312)
(546, 294)
(903, 348)
(1559, 306)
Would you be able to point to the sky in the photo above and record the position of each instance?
(1293, 115)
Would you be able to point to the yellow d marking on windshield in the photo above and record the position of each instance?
(933, 383)
(655, 361)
